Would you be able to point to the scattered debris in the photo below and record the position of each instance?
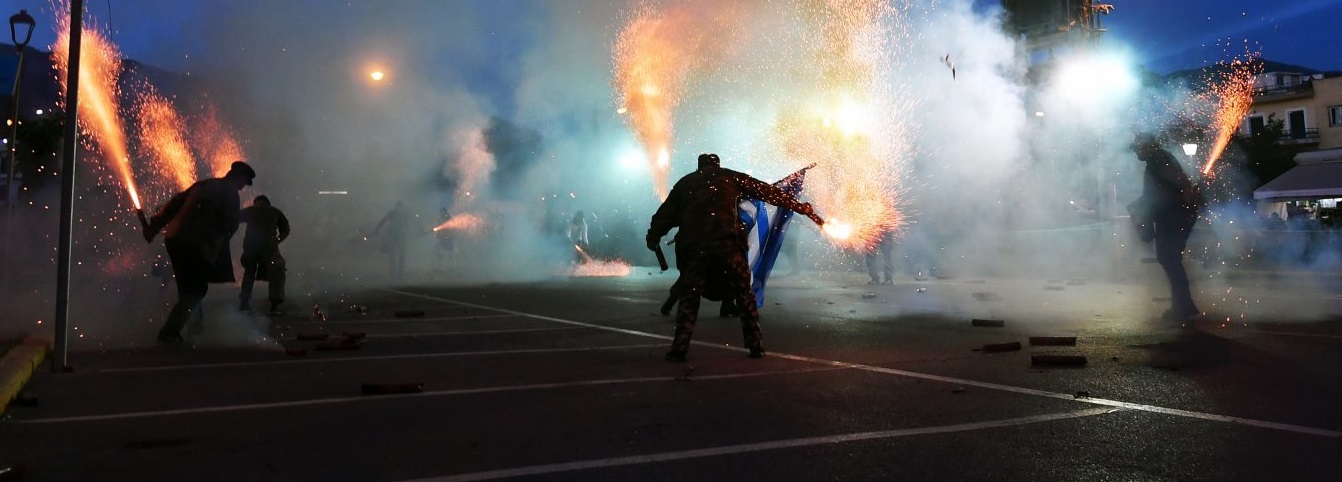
(987, 322)
(391, 388)
(1053, 341)
(317, 314)
(920, 290)
(1001, 347)
(867, 296)
(1058, 360)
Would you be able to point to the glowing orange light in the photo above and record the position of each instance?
(1235, 96)
(376, 75)
(837, 230)
(462, 222)
(100, 65)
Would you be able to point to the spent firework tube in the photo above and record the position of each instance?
(144, 222)
(661, 258)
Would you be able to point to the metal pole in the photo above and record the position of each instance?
(70, 145)
(10, 193)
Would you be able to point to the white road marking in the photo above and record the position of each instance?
(427, 393)
(928, 376)
(366, 358)
(390, 320)
(762, 446)
(1306, 335)
(469, 332)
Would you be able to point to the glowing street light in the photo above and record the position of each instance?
(1190, 149)
(377, 75)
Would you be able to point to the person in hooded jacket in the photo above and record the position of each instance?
(197, 225)
(703, 205)
(1166, 213)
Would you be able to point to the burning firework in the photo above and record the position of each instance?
(599, 267)
(655, 54)
(100, 65)
(462, 222)
(1233, 96)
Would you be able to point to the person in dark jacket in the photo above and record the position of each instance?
(1166, 213)
(267, 227)
(703, 206)
(197, 225)
(397, 222)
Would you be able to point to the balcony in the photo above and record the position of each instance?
(1299, 136)
(1283, 92)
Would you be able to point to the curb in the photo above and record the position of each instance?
(18, 366)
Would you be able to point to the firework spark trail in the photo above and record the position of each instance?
(214, 141)
(857, 138)
(1234, 96)
(160, 133)
(100, 65)
(462, 222)
(654, 56)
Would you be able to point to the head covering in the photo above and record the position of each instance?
(240, 168)
(261, 199)
(1145, 140)
(709, 160)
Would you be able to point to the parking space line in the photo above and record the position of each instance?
(762, 446)
(469, 332)
(426, 393)
(1305, 335)
(927, 376)
(367, 358)
(395, 320)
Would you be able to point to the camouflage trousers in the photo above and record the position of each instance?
(729, 268)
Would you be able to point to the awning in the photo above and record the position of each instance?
(1307, 181)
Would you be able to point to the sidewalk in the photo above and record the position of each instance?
(18, 365)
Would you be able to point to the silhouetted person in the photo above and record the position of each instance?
(703, 204)
(577, 234)
(267, 227)
(881, 254)
(1168, 209)
(397, 222)
(445, 243)
(199, 223)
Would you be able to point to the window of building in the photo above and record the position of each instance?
(1335, 116)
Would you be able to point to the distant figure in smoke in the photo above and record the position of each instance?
(1166, 213)
(790, 252)
(445, 243)
(199, 223)
(394, 241)
(881, 253)
(577, 234)
(703, 204)
(267, 227)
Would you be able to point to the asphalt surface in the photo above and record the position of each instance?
(564, 379)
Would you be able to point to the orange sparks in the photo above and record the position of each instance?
(1234, 95)
(462, 222)
(160, 134)
(217, 145)
(100, 65)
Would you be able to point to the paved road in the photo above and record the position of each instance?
(564, 379)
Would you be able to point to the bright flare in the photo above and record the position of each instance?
(1234, 97)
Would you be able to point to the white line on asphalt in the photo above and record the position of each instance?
(367, 358)
(762, 446)
(427, 393)
(928, 376)
(391, 320)
(1308, 335)
(468, 332)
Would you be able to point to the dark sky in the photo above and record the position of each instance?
(1165, 35)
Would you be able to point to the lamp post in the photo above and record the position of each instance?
(1190, 149)
(15, 22)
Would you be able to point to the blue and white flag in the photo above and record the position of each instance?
(766, 226)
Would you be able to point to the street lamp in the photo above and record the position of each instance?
(19, 19)
(1190, 149)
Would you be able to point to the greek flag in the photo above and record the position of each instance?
(766, 226)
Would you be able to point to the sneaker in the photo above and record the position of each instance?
(757, 352)
(675, 356)
(888, 282)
